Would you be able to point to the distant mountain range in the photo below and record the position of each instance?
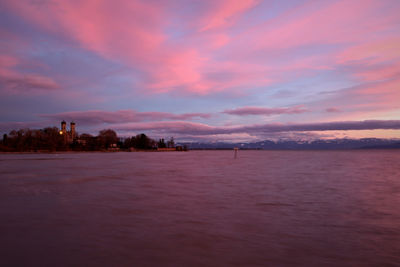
(365, 143)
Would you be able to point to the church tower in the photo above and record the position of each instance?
(73, 133)
(63, 127)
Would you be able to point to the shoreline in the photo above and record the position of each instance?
(77, 152)
(162, 151)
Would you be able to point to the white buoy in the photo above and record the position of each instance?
(236, 150)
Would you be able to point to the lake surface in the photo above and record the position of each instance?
(201, 208)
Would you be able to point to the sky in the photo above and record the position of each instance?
(207, 70)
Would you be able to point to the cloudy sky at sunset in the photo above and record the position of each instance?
(207, 70)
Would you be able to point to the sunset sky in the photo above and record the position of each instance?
(207, 70)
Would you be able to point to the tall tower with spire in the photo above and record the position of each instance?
(63, 127)
(73, 133)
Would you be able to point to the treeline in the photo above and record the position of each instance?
(141, 141)
(50, 139)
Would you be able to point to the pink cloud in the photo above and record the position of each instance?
(375, 66)
(246, 111)
(364, 101)
(93, 117)
(332, 110)
(199, 129)
(377, 51)
(7, 61)
(138, 38)
(323, 23)
(379, 72)
(94, 24)
(318, 24)
(379, 97)
(16, 82)
(223, 13)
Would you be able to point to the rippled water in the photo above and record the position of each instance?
(201, 208)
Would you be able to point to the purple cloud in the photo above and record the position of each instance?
(21, 83)
(246, 111)
(332, 110)
(93, 117)
(203, 129)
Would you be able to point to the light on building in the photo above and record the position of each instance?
(61, 132)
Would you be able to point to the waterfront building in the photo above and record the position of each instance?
(69, 136)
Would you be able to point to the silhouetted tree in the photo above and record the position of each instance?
(142, 142)
(107, 137)
(5, 139)
(50, 139)
(171, 143)
(53, 139)
(161, 143)
(33, 140)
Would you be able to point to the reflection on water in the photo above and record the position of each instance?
(201, 208)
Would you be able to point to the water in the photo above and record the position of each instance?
(201, 208)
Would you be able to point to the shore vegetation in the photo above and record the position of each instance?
(50, 139)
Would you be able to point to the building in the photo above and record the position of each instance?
(69, 136)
